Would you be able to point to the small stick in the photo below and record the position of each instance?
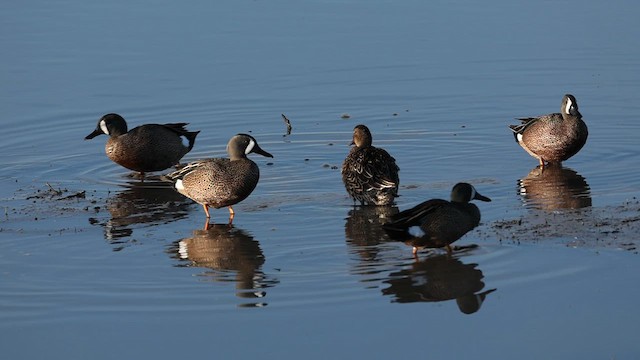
(288, 123)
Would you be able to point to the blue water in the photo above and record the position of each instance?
(127, 271)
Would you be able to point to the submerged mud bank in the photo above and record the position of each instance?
(57, 209)
(609, 227)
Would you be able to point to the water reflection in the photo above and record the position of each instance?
(363, 229)
(555, 187)
(141, 203)
(439, 278)
(232, 254)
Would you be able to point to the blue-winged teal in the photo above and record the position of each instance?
(370, 174)
(554, 137)
(146, 148)
(221, 182)
(437, 223)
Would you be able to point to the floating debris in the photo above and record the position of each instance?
(345, 116)
(56, 194)
(288, 123)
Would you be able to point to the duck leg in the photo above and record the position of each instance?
(206, 211)
(231, 215)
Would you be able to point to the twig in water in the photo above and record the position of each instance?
(288, 123)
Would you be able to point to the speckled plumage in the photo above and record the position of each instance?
(441, 222)
(554, 137)
(369, 174)
(221, 182)
(146, 148)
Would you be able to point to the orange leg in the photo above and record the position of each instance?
(449, 249)
(206, 211)
(231, 215)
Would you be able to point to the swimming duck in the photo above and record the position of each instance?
(555, 137)
(437, 223)
(146, 148)
(221, 182)
(370, 174)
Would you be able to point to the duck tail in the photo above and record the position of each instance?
(191, 136)
(396, 232)
(180, 129)
(516, 130)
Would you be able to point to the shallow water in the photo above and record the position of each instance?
(95, 263)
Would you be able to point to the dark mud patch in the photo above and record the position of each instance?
(45, 208)
(609, 227)
(58, 194)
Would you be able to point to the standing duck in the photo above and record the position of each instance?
(555, 137)
(146, 148)
(437, 223)
(370, 174)
(221, 182)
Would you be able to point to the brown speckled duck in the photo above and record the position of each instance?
(437, 223)
(221, 182)
(146, 148)
(553, 138)
(370, 174)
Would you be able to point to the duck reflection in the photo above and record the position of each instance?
(149, 202)
(555, 187)
(439, 278)
(363, 229)
(232, 254)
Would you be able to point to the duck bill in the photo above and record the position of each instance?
(481, 197)
(95, 133)
(258, 150)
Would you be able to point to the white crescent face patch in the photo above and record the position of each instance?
(249, 147)
(569, 105)
(103, 127)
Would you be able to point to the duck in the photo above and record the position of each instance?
(145, 148)
(553, 138)
(437, 223)
(221, 182)
(369, 173)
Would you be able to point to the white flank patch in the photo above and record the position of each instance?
(519, 136)
(249, 147)
(416, 231)
(568, 107)
(185, 141)
(179, 186)
(103, 127)
(183, 250)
